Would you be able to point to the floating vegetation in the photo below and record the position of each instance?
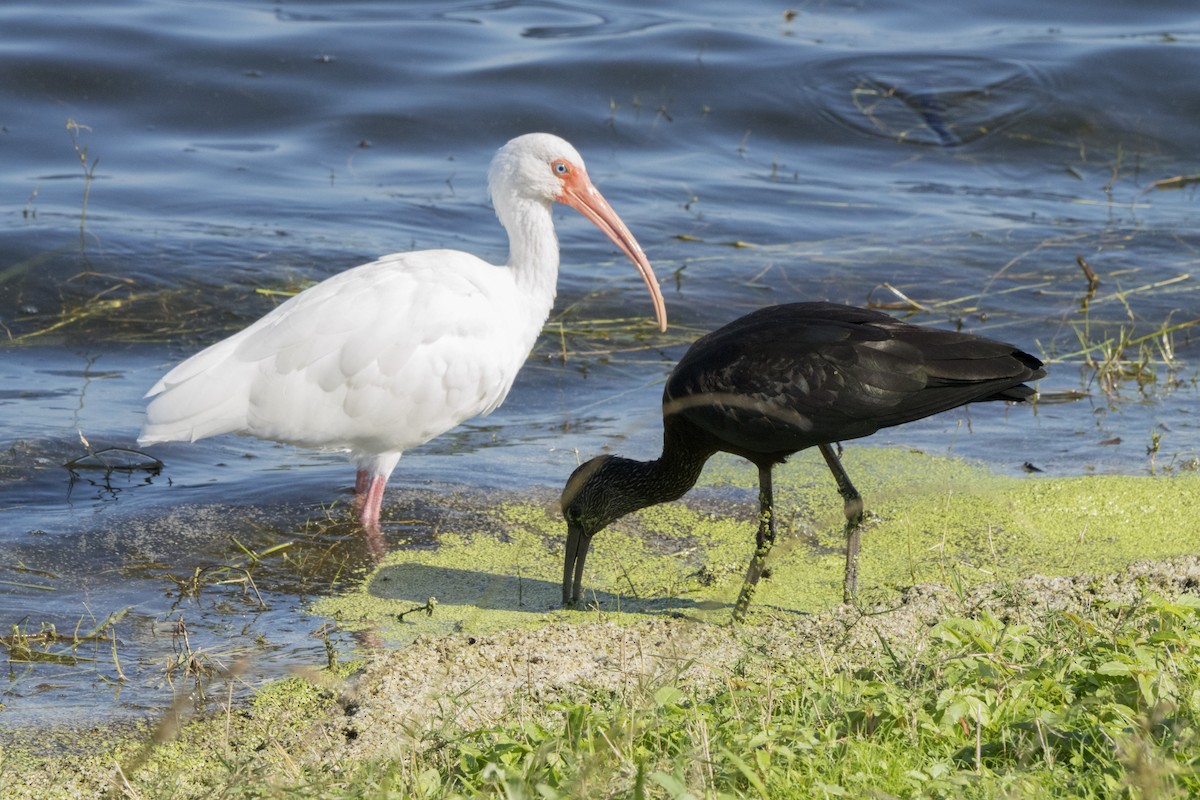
(47, 645)
(1122, 357)
(1177, 182)
(119, 309)
(1106, 338)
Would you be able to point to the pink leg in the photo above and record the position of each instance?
(362, 481)
(370, 502)
(370, 479)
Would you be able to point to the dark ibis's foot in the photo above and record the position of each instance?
(854, 529)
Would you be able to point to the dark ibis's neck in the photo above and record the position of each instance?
(607, 488)
(671, 475)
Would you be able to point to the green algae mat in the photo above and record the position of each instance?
(934, 520)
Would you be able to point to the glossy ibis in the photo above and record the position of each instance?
(780, 380)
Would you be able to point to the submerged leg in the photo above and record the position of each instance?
(370, 505)
(372, 502)
(370, 480)
(765, 539)
(854, 519)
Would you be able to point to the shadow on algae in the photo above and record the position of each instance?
(936, 520)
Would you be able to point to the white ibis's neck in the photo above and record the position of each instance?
(532, 247)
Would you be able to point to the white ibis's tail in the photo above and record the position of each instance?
(204, 396)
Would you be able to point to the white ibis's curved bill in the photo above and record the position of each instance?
(579, 193)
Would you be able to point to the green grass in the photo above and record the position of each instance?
(958, 676)
(1001, 698)
(1098, 703)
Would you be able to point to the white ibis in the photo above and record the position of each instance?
(775, 382)
(388, 355)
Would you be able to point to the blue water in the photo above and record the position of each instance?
(160, 162)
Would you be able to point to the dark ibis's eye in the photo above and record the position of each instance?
(561, 167)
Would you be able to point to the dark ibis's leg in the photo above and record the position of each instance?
(765, 539)
(854, 519)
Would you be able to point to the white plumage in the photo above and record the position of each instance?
(385, 356)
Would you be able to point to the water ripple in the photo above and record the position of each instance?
(936, 100)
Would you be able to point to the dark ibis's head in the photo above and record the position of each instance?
(598, 493)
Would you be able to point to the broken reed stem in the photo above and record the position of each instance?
(1127, 343)
(89, 170)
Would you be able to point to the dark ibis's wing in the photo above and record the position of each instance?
(792, 376)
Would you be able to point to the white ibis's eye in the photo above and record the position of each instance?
(561, 167)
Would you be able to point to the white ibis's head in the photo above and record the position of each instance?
(541, 168)
(536, 166)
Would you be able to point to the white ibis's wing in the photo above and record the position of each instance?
(378, 358)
